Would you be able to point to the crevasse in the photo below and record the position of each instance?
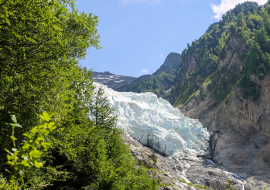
(156, 123)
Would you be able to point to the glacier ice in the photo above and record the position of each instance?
(156, 123)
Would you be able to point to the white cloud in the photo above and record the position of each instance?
(126, 2)
(144, 71)
(226, 5)
(161, 56)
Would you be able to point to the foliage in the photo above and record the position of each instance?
(40, 44)
(250, 89)
(195, 185)
(247, 22)
(186, 77)
(230, 186)
(155, 159)
(102, 154)
(28, 157)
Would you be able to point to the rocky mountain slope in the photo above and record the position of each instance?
(172, 63)
(173, 148)
(224, 82)
(111, 80)
(160, 82)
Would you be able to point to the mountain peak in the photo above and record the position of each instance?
(172, 61)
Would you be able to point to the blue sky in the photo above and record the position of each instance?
(137, 35)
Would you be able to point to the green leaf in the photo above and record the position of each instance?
(27, 135)
(35, 154)
(38, 140)
(26, 146)
(18, 125)
(10, 157)
(45, 144)
(8, 151)
(18, 167)
(51, 126)
(13, 118)
(21, 173)
(13, 138)
(46, 116)
(10, 163)
(25, 163)
(38, 164)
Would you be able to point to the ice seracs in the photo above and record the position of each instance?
(156, 123)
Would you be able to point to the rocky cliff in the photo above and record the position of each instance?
(239, 125)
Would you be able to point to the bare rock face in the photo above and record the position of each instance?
(151, 160)
(240, 128)
(195, 174)
(260, 182)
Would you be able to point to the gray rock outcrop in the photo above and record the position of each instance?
(196, 174)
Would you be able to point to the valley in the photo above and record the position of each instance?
(200, 121)
(222, 79)
(175, 149)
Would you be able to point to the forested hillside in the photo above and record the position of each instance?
(248, 22)
(224, 82)
(47, 140)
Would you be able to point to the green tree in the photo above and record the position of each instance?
(100, 111)
(240, 18)
(102, 160)
(40, 42)
(266, 22)
(186, 76)
(156, 83)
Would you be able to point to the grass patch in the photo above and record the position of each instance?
(164, 184)
(194, 185)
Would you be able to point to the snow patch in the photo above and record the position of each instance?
(168, 91)
(101, 78)
(119, 81)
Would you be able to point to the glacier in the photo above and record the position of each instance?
(156, 123)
